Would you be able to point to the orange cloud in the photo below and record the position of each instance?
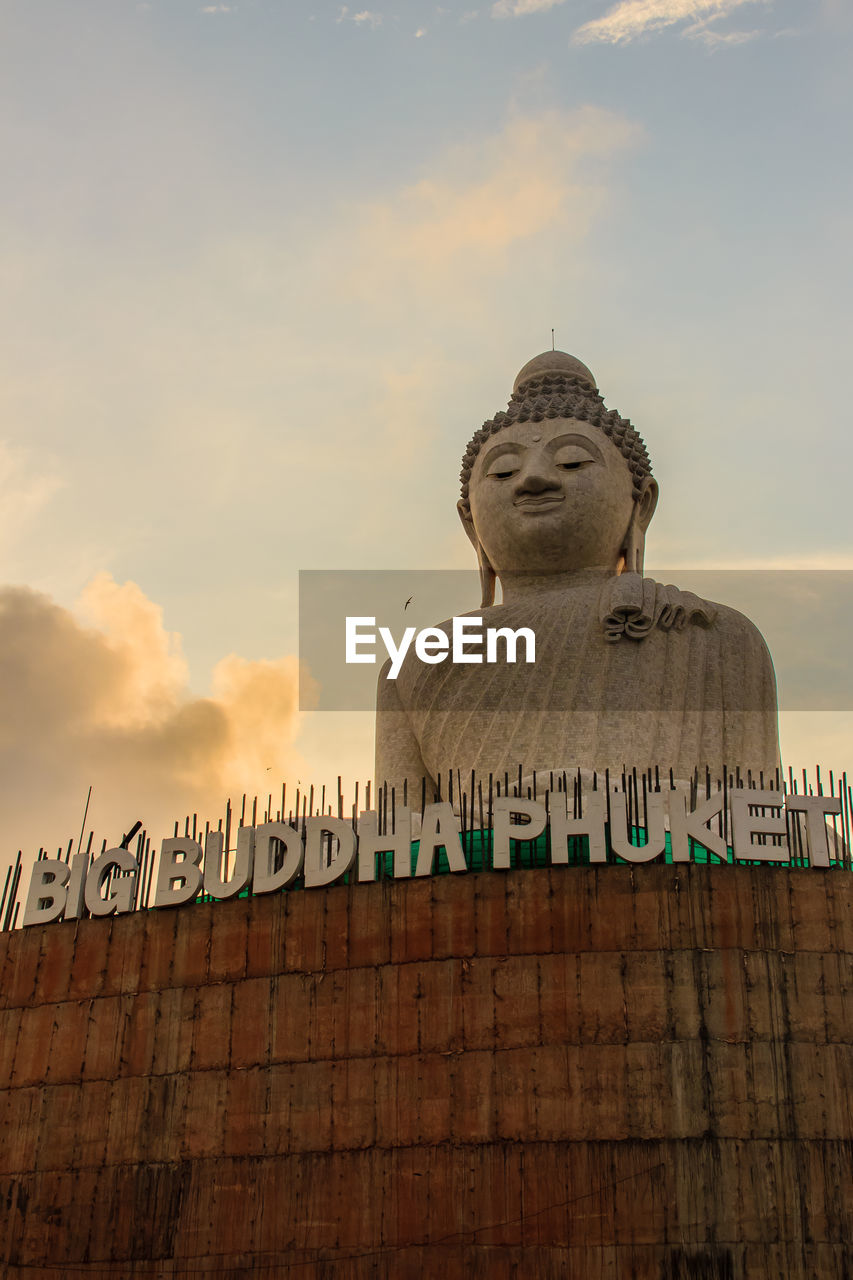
(108, 705)
(479, 200)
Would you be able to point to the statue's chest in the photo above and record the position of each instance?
(570, 666)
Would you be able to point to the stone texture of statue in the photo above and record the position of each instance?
(557, 496)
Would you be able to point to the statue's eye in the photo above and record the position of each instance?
(503, 468)
(571, 457)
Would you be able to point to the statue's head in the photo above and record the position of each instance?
(557, 483)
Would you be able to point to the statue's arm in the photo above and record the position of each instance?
(399, 763)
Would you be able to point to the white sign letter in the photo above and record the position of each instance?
(591, 824)
(269, 837)
(745, 825)
(46, 897)
(213, 868)
(685, 824)
(74, 908)
(179, 872)
(439, 829)
(504, 828)
(620, 837)
(816, 809)
(121, 897)
(370, 842)
(319, 870)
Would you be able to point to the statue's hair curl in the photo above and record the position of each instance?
(562, 396)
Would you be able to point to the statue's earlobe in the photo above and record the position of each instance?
(641, 517)
(635, 547)
(488, 577)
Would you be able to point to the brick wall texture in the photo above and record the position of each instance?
(593, 1073)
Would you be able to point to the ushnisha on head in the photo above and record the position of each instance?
(557, 484)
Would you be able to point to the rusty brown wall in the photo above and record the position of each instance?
(585, 1073)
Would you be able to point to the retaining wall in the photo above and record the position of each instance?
(593, 1073)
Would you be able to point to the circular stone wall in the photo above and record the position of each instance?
(579, 1072)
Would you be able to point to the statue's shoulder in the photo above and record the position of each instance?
(729, 619)
(737, 632)
(678, 609)
(633, 606)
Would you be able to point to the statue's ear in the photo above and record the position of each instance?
(488, 577)
(647, 502)
(467, 523)
(634, 550)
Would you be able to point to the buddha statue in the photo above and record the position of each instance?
(557, 498)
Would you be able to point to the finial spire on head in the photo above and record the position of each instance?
(553, 365)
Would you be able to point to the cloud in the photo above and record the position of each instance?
(634, 18)
(519, 8)
(364, 18)
(131, 628)
(485, 198)
(719, 39)
(107, 704)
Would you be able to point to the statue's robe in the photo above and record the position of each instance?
(629, 673)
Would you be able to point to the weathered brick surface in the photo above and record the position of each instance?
(212, 1027)
(55, 965)
(140, 1034)
(173, 1029)
(107, 1018)
(32, 1045)
(123, 968)
(250, 1022)
(229, 944)
(10, 1022)
(592, 1073)
(68, 1042)
(87, 970)
(453, 919)
(192, 946)
(158, 959)
(19, 972)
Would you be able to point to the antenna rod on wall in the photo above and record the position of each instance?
(83, 824)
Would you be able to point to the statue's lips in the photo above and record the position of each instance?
(543, 503)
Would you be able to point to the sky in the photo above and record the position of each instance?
(266, 266)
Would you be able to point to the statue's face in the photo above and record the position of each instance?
(551, 496)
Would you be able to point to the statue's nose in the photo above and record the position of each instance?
(535, 476)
